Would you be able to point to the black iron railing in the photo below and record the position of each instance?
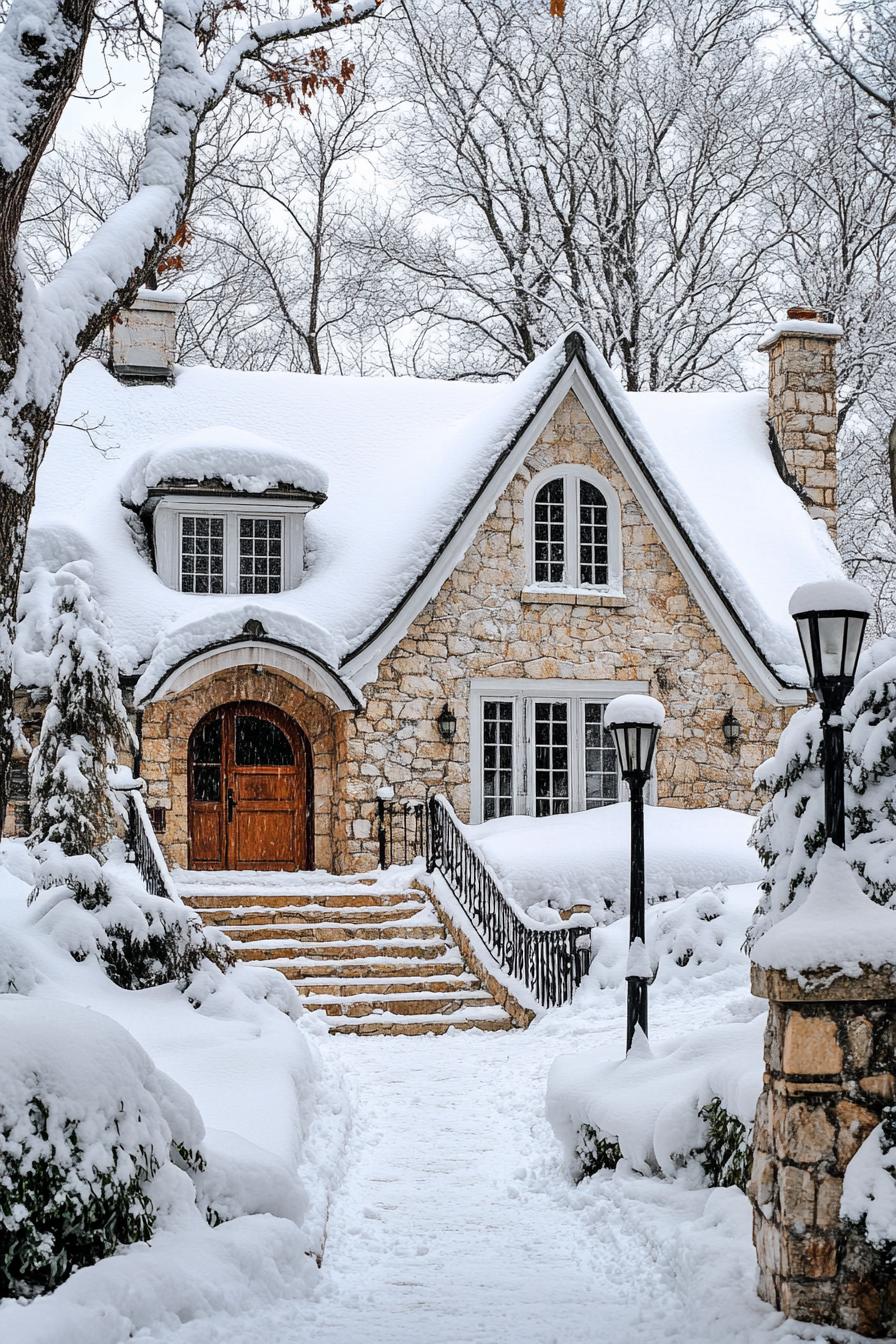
(400, 829)
(550, 962)
(144, 849)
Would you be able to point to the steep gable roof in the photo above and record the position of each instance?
(414, 466)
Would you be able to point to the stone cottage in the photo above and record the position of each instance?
(322, 586)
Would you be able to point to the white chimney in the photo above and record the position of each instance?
(143, 337)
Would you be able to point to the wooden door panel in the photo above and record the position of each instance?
(265, 786)
(263, 838)
(206, 836)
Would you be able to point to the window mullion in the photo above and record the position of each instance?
(571, 544)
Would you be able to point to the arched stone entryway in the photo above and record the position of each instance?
(169, 724)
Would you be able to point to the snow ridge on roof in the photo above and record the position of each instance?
(247, 462)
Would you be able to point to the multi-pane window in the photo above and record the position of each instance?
(549, 533)
(202, 554)
(541, 753)
(571, 534)
(261, 555)
(601, 765)
(497, 759)
(551, 771)
(593, 536)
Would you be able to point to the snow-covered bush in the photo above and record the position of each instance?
(684, 1108)
(84, 893)
(83, 728)
(870, 718)
(141, 939)
(696, 936)
(86, 1124)
(789, 831)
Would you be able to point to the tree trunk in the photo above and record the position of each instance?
(15, 513)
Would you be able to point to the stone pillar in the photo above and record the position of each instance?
(829, 1058)
(802, 406)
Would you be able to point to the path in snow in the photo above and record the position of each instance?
(455, 1224)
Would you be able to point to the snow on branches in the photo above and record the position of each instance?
(84, 726)
(789, 832)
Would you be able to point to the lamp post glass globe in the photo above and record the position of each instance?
(830, 620)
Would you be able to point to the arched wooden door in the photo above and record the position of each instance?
(249, 790)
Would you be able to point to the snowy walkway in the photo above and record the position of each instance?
(455, 1225)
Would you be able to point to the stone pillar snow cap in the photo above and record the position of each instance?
(831, 331)
(835, 927)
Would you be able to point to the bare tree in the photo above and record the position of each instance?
(611, 171)
(858, 42)
(199, 54)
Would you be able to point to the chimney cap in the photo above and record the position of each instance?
(809, 322)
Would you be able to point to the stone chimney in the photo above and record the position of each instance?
(802, 406)
(143, 337)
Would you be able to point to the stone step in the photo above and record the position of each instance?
(481, 1019)
(248, 915)
(365, 968)
(229, 899)
(334, 933)
(416, 1004)
(353, 987)
(264, 949)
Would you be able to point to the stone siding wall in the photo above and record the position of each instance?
(168, 724)
(829, 1055)
(481, 624)
(803, 408)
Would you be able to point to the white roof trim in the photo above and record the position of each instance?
(290, 663)
(364, 666)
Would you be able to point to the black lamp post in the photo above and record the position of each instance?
(635, 722)
(830, 620)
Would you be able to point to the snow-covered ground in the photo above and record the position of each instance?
(541, 859)
(271, 1104)
(455, 1218)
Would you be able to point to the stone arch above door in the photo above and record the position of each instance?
(168, 725)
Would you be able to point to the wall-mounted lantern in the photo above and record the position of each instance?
(447, 723)
(731, 730)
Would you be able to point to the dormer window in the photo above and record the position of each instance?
(236, 525)
(232, 553)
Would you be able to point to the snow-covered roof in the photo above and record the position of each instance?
(406, 460)
(248, 463)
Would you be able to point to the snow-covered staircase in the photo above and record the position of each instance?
(370, 953)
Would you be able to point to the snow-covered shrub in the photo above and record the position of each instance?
(86, 1124)
(594, 1152)
(687, 1107)
(695, 936)
(142, 939)
(870, 719)
(869, 1188)
(83, 728)
(726, 1153)
(789, 831)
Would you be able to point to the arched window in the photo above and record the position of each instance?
(573, 522)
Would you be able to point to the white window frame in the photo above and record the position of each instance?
(571, 475)
(524, 693)
(167, 530)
